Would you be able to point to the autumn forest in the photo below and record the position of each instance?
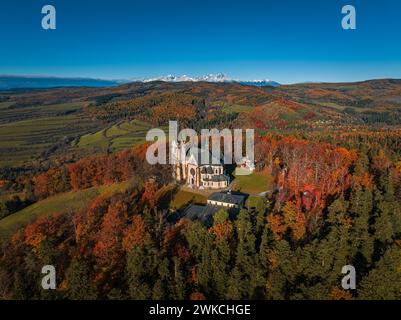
(76, 192)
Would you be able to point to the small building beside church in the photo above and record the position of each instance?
(226, 200)
(232, 202)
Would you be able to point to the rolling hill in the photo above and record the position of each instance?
(42, 123)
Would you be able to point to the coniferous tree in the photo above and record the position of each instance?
(282, 272)
(179, 280)
(163, 288)
(235, 286)
(384, 281)
(383, 225)
(79, 283)
(221, 254)
(361, 205)
(246, 259)
(140, 268)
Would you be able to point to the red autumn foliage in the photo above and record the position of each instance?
(108, 246)
(222, 231)
(149, 196)
(87, 222)
(100, 170)
(277, 225)
(197, 296)
(182, 252)
(135, 233)
(52, 226)
(305, 172)
(339, 294)
(51, 182)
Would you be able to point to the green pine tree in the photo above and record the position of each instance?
(384, 281)
(79, 283)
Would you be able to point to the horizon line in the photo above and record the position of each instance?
(146, 79)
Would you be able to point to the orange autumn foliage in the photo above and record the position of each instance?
(34, 234)
(197, 296)
(304, 171)
(222, 231)
(398, 167)
(294, 220)
(339, 294)
(290, 218)
(44, 227)
(182, 252)
(149, 195)
(381, 162)
(51, 182)
(135, 233)
(87, 220)
(365, 180)
(108, 245)
(277, 225)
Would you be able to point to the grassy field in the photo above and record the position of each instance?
(5, 105)
(228, 108)
(253, 201)
(65, 202)
(95, 140)
(254, 183)
(183, 198)
(9, 113)
(117, 137)
(27, 132)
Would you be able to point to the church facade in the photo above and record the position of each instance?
(189, 169)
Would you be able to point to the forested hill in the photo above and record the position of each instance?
(77, 192)
(375, 101)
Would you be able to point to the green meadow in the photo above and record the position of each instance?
(183, 198)
(120, 136)
(26, 133)
(255, 183)
(65, 202)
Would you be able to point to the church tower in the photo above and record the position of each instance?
(178, 152)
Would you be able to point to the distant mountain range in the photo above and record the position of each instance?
(261, 83)
(34, 82)
(30, 82)
(220, 77)
(208, 78)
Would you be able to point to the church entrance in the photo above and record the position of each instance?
(192, 178)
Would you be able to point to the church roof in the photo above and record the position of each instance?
(198, 155)
(201, 213)
(228, 197)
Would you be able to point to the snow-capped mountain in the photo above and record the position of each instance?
(261, 83)
(12, 82)
(220, 77)
(209, 78)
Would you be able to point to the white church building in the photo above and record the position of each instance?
(190, 167)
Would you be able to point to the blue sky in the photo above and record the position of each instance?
(287, 41)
